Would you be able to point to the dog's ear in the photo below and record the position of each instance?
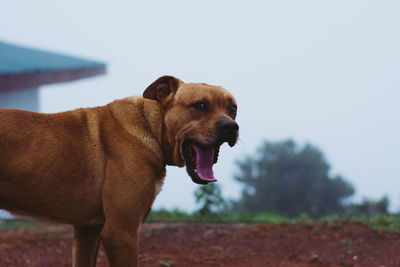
(161, 88)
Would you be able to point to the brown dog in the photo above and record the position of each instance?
(100, 169)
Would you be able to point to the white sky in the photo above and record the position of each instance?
(315, 71)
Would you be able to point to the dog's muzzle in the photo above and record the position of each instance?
(199, 158)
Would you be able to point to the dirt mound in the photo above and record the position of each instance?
(196, 244)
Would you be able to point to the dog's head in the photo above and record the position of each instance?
(198, 119)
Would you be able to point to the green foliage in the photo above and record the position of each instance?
(166, 263)
(18, 224)
(210, 199)
(386, 223)
(383, 223)
(174, 215)
(370, 207)
(263, 217)
(290, 180)
(177, 215)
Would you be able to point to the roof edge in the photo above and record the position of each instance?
(13, 82)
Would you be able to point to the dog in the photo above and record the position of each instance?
(101, 168)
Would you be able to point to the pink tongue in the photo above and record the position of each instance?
(204, 162)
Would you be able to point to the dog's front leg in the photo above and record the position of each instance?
(127, 197)
(121, 245)
(86, 245)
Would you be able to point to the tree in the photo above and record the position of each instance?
(290, 180)
(210, 199)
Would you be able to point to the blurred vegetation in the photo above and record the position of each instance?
(210, 199)
(175, 215)
(290, 180)
(369, 207)
(18, 224)
(379, 222)
(383, 223)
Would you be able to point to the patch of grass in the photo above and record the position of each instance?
(181, 216)
(234, 237)
(166, 263)
(45, 234)
(17, 224)
(382, 223)
(280, 235)
(317, 231)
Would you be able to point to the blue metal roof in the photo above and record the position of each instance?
(24, 68)
(17, 60)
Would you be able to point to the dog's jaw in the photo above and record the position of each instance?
(199, 160)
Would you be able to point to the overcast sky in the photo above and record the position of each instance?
(324, 72)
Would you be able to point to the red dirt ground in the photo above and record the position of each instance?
(196, 244)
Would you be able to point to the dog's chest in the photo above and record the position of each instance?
(160, 182)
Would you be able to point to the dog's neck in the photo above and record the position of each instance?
(149, 134)
(154, 114)
(154, 120)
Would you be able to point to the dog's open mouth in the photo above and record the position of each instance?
(199, 161)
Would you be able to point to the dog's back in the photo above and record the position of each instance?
(33, 150)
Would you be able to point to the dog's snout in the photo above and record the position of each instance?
(228, 126)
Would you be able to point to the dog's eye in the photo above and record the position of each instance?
(233, 109)
(200, 106)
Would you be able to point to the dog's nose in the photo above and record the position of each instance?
(228, 126)
(228, 131)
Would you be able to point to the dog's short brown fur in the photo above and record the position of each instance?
(100, 169)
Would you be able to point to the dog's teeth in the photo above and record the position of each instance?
(195, 170)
